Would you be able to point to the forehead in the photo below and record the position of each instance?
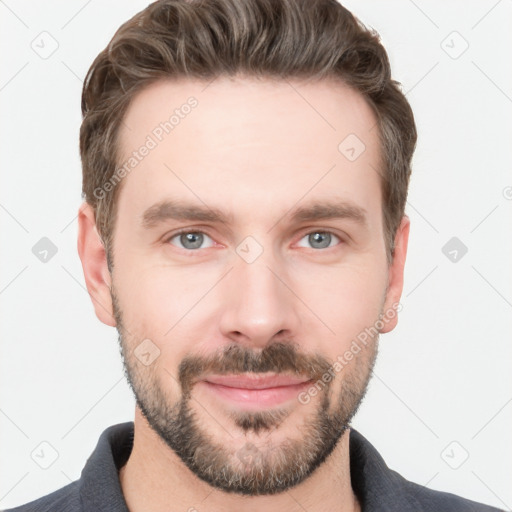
(240, 144)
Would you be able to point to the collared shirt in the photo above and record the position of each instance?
(378, 488)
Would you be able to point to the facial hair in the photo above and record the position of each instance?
(250, 470)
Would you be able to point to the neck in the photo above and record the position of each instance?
(154, 478)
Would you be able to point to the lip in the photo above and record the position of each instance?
(252, 392)
(255, 381)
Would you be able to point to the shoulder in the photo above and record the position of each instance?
(382, 489)
(438, 501)
(66, 499)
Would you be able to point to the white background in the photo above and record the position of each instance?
(443, 375)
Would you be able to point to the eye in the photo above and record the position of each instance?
(320, 239)
(190, 240)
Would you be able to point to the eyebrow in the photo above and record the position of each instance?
(178, 210)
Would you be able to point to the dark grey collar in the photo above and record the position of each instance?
(100, 489)
(378, 488)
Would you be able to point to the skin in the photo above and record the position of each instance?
(256, 150)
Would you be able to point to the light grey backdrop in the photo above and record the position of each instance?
(439, 408)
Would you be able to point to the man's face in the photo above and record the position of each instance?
(272, 288)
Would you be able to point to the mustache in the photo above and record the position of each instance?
(278, 357)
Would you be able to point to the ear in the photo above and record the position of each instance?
(396, 274)
(94, 263)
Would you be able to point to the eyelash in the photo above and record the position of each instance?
(198, 231)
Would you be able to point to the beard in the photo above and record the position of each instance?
(251, 470)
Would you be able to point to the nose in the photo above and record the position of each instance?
(260, 306)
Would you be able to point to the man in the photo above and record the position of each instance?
(245, 172)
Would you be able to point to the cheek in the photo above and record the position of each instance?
(168, 306)
(157, 295)
(347, 299)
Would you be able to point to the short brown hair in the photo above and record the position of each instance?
(311, 39)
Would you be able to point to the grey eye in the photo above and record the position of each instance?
(320, 239)
(191, 240)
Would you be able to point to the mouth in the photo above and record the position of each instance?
(251, 391)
